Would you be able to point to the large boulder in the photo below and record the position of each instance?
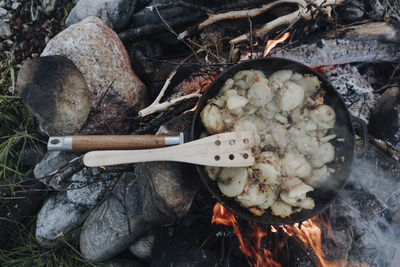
(97, 51)
(55, 91)
(115, 13)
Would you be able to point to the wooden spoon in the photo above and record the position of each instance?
(231, 149)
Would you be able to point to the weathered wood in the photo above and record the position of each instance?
(372, 42)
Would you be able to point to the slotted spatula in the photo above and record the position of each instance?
(222, 150)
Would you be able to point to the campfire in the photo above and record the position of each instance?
(148, 76)
(251, 243)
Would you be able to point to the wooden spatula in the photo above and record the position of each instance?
(223, 150)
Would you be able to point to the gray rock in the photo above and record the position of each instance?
(154, 198)
(5, 18)
(48, 5)
(15, 5)
(3, 12)
(115, 13)
(56, 169)
(158, 194)
(56, 218)
(172, 186)
(89, 186)
(5, 28)
(351, 10)
(101, 57)
(143, 248)
(116, 223)
(55, 91)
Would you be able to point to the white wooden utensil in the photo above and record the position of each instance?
(231, 149)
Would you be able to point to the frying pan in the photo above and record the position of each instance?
(323, 196)
(344, 151)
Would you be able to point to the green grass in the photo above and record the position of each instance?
(16, 125)
(17, 132)
(24, 251)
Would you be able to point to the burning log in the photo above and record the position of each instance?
(372, 42)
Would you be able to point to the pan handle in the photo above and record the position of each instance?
(362, 130)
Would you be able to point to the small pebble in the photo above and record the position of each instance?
(3, 12)
(8, 42)
(15, 5)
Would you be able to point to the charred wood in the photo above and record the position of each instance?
(149, 30)
(372, 42)
(381, 114)
(146, 23)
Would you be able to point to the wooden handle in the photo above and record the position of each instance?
(116, 142)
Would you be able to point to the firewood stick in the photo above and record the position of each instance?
(284, 20)
(238, 14)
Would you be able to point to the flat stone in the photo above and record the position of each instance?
(55, 91)
(115, 13)
(56, 218)
(97, 51)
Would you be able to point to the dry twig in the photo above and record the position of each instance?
(156, 106)
(305, 10)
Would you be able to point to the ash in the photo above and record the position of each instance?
(355, 90)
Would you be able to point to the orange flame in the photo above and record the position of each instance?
(272, 43)
(309, 234)
(253, 250)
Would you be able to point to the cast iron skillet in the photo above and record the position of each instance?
(344, 151)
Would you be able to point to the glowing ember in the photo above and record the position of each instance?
(272, 43)
(200, 82)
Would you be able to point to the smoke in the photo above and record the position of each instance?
(370, 205)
